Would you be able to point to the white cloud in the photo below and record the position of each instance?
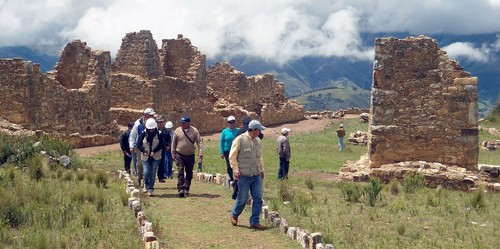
(467, 50)
(278, 30)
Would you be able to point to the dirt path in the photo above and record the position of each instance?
(201, 220)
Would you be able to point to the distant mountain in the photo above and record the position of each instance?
(308, 74)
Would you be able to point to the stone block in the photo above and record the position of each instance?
(265, 212)
(272, 216)
(292, 232)
(314, 239)
(135, 193)
(152, 245)
(136, 206)
(141, 218)
(303, 237)
(283, 226)
(147, 227)
(131, 201)
(329, 246)
(276, 222)
(320, 246)
(148, 237)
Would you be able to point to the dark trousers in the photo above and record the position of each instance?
(127, 160)
(283, 171)
(185, 165)
(228, 165)
(162, 166)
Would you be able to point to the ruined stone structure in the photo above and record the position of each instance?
(86, 97)
(74, 98)
(423, 106)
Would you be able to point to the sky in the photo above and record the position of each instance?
(273, 30)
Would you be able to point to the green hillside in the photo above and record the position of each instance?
(340, 94)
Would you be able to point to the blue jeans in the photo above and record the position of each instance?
(341, 143)
(283, 171)
(168, 171)
(150, 167)
(134, 160)
(254, 185)
(162, 167)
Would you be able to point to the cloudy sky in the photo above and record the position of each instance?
(275, 30)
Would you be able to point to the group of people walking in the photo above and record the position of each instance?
(158, 145)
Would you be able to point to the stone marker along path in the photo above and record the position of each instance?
(201, 220)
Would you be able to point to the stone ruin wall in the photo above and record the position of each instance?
(86, 98)
(423, 106)
(261, 95)
(62, 100)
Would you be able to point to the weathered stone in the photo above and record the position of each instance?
(303, 237)
(135, 193)
(329, 246)
(409, 74)
(136, 206)
(283, 226)
(152, 245)
(272, 216)
(131, 201)
(320, 246)
(148, 237)
(265, 212)
(314, 239)
(276, 222)
(147, 227)
(292, 232)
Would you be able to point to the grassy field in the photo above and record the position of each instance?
(399, 218)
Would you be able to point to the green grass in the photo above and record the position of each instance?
(39, 203)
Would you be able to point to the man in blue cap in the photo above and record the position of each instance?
(248, 167)
(184, 142)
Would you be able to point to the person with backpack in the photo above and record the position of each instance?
(184, 142)
(138, 128)
(151, 145)
(127, 157)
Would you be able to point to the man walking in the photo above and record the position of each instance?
(183, 150)
(139, 127)
(127, 157)
(248, 167)
(284, 153)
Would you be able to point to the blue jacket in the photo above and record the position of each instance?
(226, 139)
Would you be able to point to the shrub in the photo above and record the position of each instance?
(80, 175)
(309, 183)
(373, 190)
(86, 217)
(68, 176)
(35, 167)
(394, 187)
(478, 200)
(413, 182)
(124, 198)
(351, 192)
(286, 192)
(302, 204)
(401, 229)
(100, 202)
(101, 179)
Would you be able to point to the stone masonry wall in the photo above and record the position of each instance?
(423, 105)
(86, 97)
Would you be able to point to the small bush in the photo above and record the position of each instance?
(286, 192)
(78, 195)
(35, 167)
(124, 198)
(302, 204)
(101, 179)
(413, 182)
(90, 195)
(89, 176)
(373, 190)
(86, 217)
(478, 200)
(401, 229)
(351, 192)
(68, 176)
(80, 175)
(309, 183)
(394, 187)
(100, 202)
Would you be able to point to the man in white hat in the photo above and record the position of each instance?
(284, 153)
(248, 167)
(139, 127)
(340, 135)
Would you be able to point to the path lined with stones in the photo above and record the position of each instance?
(201, 220)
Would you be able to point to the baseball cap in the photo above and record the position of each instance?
(185, 119)
(231, 118)
(169, 124)
(254, 124)
(284, 130)
(160, 118)
(149, 111)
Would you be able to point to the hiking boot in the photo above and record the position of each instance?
(258, 226)
(161, 180)
(144, 189)
(150, 193)
(234, 220)
(182, 194)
